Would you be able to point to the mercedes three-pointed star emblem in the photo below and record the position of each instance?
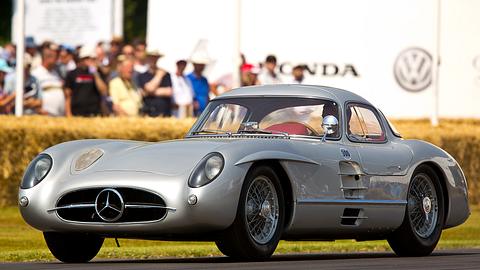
(109, 205)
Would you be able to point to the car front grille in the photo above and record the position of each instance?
(125, 205)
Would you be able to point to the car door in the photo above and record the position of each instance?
(372, 173)
(366, 133)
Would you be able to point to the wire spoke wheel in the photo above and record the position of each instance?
(423, 205)
(424, 217)
(258, 225)
(262, 209)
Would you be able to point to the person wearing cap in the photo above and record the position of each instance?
(156, 84)
(4, 98)
(8, 53)
(84, 88)
(66, 61)
(249, 74)
(32, 94)
(269, 75)
(31, 49)
(53, 97)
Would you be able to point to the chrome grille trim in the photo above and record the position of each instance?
(88, 205)
(146, 206)
(140, 205)
(71, 206)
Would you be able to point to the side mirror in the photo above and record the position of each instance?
(329, 124)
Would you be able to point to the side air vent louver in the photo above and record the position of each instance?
(352, 216)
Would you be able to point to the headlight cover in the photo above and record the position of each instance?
(206, 170)
(86, 159)
(36, 171)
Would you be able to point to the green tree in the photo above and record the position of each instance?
(6, 21)
(135, 19)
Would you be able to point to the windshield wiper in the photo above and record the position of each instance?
(263, 131)
(210, 131)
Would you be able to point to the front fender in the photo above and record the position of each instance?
(275, 155)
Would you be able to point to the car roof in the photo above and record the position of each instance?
(295, 90)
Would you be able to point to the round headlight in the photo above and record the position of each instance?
(36, 171)
(206, 170)
(213, 166)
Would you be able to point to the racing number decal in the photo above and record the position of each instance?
(346, 155)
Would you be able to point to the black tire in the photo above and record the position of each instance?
(406, 241)
(236, 241)
(73, 248)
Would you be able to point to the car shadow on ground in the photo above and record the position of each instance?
(286, 257)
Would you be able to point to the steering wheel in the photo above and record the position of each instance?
(311, 129)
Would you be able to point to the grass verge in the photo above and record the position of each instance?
(20, 242)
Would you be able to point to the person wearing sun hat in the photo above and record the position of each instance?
(201, 88)
(156, 84)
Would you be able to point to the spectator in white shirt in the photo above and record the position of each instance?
(269, 74)
(50, 82)
(182, 92)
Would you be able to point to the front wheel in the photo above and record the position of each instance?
(424, 216)
(73, 248)
(258, 226)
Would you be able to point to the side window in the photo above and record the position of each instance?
(363, 124)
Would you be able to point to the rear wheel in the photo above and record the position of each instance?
(73, 248)
(258, 226)
(424, 216)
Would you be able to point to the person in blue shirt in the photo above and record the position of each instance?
(200, 86)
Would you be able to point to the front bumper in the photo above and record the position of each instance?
(214, 210)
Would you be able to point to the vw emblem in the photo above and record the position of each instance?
(109, 205)
(413, 69)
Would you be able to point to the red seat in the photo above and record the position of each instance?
(290, 128)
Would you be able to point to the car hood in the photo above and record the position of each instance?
(166, 158)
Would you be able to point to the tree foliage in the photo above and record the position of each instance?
(5, 21)
(135, 19)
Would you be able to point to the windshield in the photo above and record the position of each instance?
(275, 115)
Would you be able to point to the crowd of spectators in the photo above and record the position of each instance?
(117, 79)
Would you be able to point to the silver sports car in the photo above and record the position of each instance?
(261, 164)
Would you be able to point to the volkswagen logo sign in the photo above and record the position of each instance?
(413, 69)
(109, 205)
